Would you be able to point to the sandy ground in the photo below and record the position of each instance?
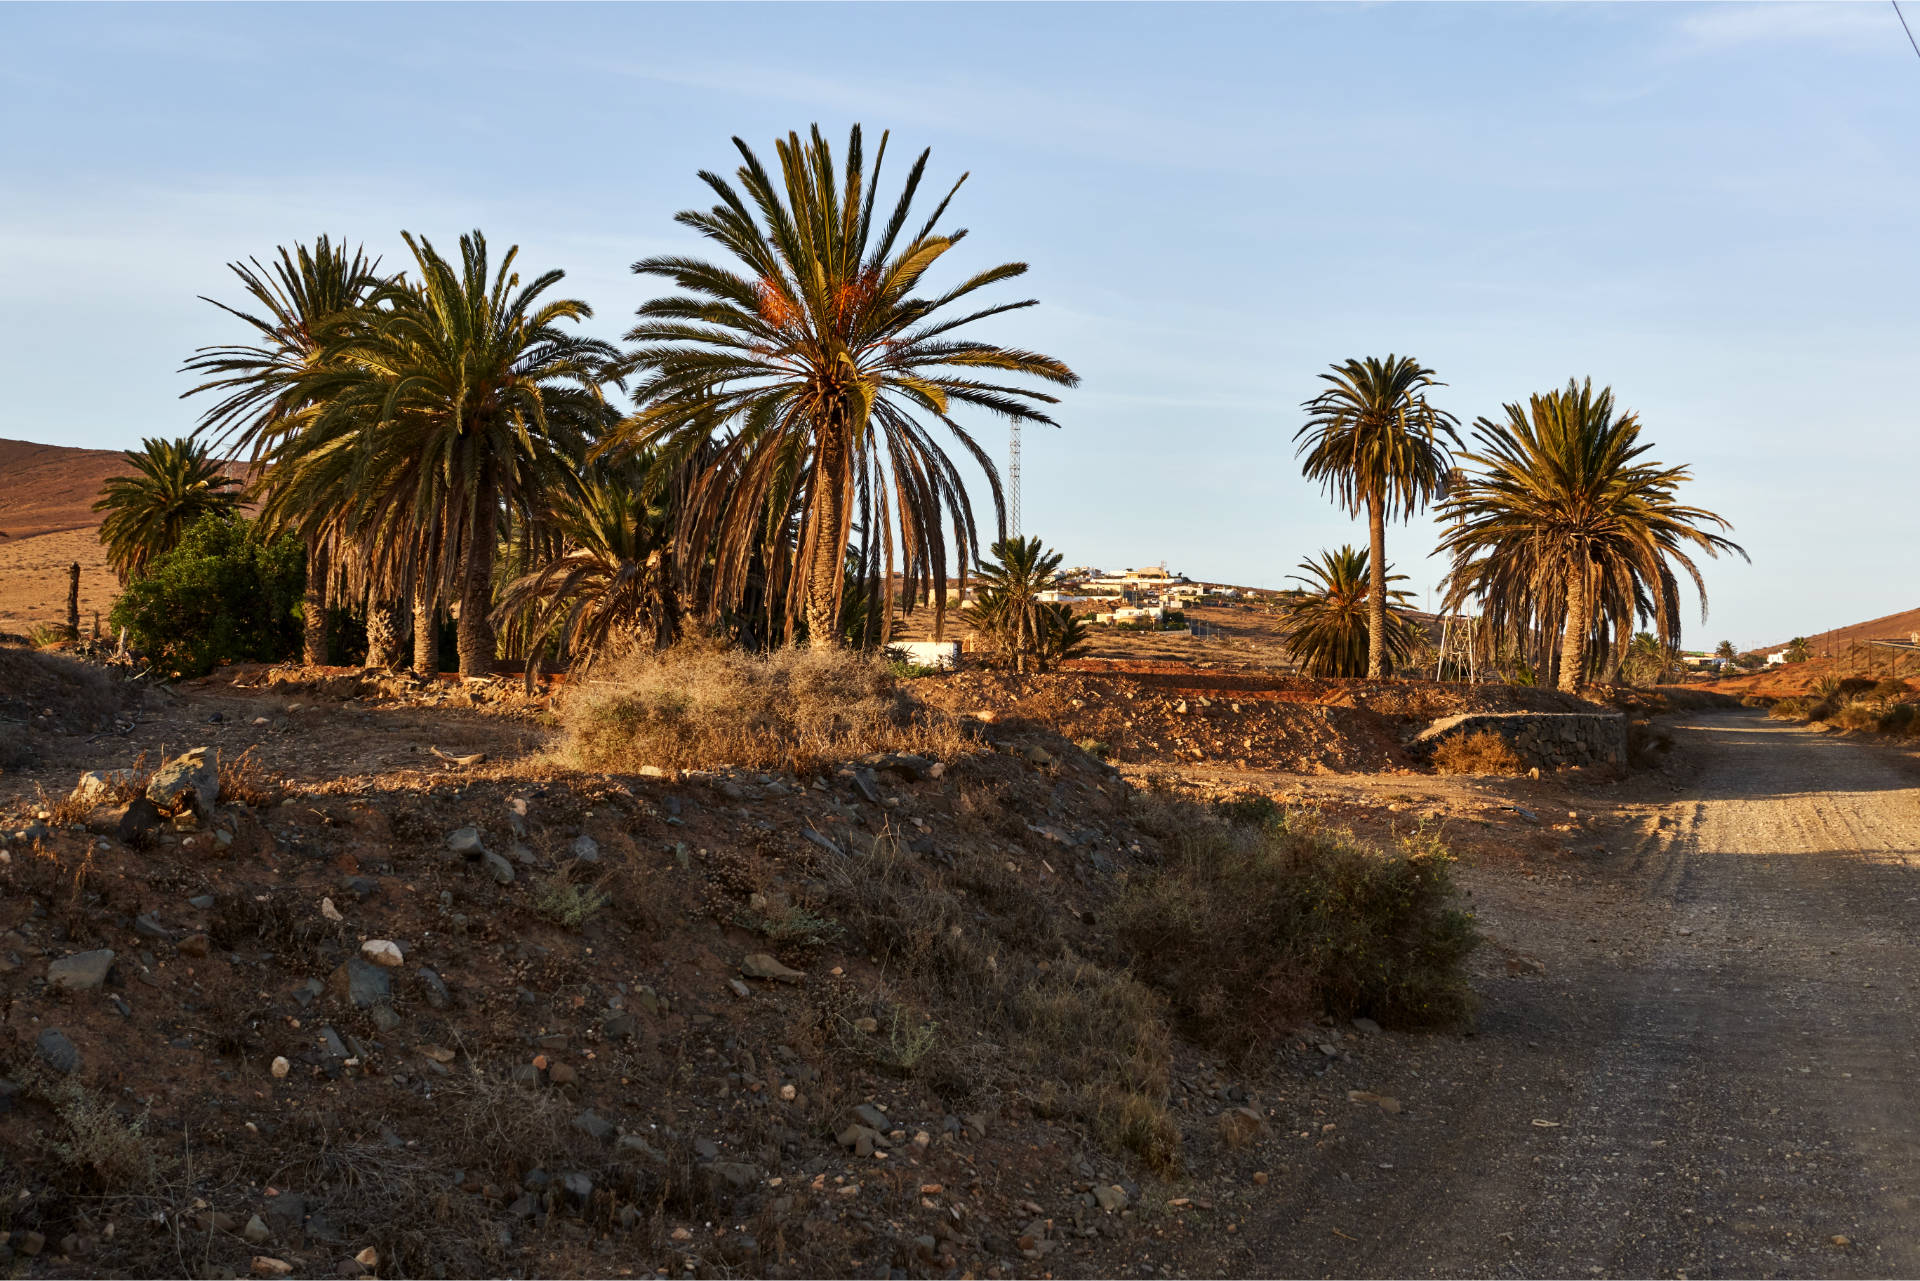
(1714, 1075)
(33, 580)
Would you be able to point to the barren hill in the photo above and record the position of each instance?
(46, 511)
(1899, 626)
(52, 487)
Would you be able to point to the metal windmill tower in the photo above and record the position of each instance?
(1013, 480)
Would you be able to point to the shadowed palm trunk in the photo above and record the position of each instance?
(476, 599)
(426, 639)
(383, 634)
(313, 609)
(1376, 591)
(1574, 631)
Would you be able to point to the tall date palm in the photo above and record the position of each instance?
(804, 378)
(1562, 514)
(467, 404)
(292, 305)
(1375, 442)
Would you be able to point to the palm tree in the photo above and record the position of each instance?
(798, 386)
(1798, 650)
(296, 302)
(1726, 653)
(610, 585)
(1373, 440)
(467, 407)
(176, 482)
(1329, 621)
(1566, 526)
(1008, 610)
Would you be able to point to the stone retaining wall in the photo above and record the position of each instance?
(1546, 739)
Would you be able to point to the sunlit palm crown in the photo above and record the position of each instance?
(805, 378)
(452, 401)
(1372, 431)
(1326, 619)
(1561, 487)
(295, 302)
(176, 482)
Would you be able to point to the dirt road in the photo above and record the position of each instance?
(1719, 1074)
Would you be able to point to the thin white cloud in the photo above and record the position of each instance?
(1836, 23)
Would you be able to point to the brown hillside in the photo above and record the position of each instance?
(1899, 626)
(46, 511)
(52, 487)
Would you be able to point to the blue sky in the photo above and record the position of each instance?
(1711, 208)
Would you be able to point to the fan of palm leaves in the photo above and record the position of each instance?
(1327, 622)
(175, 483)
(1562, 526)
(797, 388)
(609, 585)
(1008, 612)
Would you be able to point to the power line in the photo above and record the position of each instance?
(1904, 27)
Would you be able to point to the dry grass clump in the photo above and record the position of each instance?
(700, 705)
(1481, 752)
(1251, 927)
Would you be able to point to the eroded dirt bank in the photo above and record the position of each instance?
(1714, 1076)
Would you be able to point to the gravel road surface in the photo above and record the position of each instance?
(1718, 1075)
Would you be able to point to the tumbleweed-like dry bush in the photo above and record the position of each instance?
(701, 705)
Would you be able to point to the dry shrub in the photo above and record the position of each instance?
(700, 705)
(110, 1152)
(245, 781)
(1481, 752)
(1250, 928)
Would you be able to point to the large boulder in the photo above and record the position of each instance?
(190, 781)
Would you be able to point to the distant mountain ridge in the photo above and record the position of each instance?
(1890, 627)
(48, 488)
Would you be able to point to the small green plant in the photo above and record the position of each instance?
(566, 902)
(1094, 747)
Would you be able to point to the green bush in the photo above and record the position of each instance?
(1251, 927)
(223, 595)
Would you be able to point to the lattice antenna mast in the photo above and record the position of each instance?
(1013, 480)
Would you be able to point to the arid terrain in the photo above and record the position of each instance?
(1686, 1059)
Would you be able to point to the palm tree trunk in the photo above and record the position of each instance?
(426, 635)
(1376, 590)
(1573, 633)
(824, 575)
(313, 607)
(476, 599)
(383, 634)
